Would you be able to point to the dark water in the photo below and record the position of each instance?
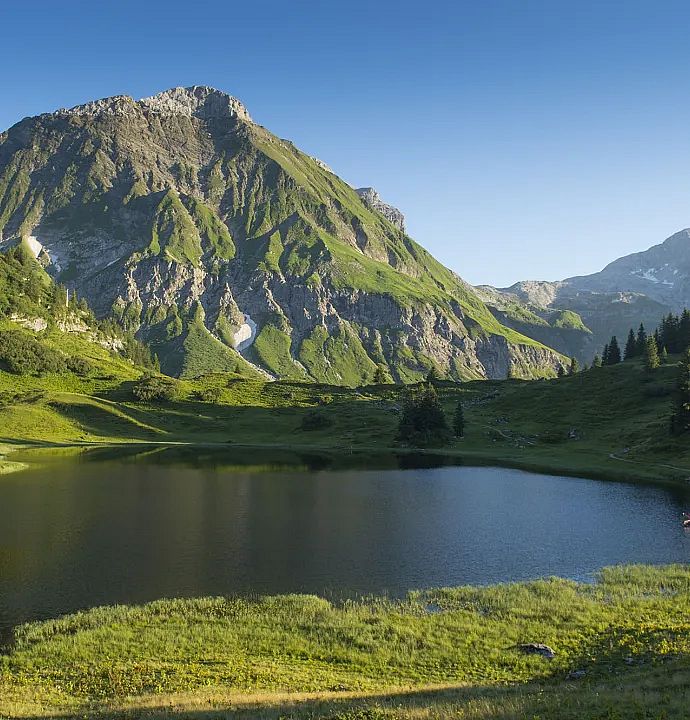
(96, 529)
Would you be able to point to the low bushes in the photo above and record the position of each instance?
(155, 388)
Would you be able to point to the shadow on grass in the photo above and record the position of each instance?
(562, 701)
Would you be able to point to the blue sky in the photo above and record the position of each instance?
(523, 140)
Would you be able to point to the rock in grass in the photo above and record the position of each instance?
(576, 675)
(537, 649)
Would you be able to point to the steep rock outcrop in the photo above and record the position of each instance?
(192, 223)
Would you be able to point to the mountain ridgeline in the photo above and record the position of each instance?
(227, 249)
(578, 315)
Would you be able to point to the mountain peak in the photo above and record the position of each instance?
(196, 101)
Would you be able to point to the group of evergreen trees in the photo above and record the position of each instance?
(423, 422)
(671, 336)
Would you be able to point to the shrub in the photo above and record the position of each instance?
(210, 395)
(79, 366)
(22, 354)
(154, 388)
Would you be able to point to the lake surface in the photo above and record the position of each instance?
(102, 528)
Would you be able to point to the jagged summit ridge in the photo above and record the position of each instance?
(197, 101)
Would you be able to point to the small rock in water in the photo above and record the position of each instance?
(537, 649)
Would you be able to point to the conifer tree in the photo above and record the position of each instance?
(684, 330)
(433, 375)
(614, 354)
(664, 356)
(574, 366)
(423, 421)
(596, 362)
(459, 421)
(630, 346)
(641, 340)
(651, 359)
(680, 421)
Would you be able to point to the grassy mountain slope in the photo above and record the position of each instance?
(160, 207)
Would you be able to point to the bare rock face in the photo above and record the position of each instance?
(197, 101)
(210, 237)
(373, 200)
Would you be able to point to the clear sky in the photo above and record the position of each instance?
(523, 140)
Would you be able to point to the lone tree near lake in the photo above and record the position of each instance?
(423, 422)
(380, 375)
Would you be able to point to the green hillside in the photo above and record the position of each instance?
(190, 222)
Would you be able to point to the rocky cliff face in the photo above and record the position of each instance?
(227, 248)
(373, 200)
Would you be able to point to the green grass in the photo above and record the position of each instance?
(619, 417)
(634, 623)
(272, 349)
(174, 232)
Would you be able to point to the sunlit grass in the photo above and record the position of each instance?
(633, 623)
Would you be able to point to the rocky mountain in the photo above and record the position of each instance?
(373, 200)
(642, 287)
(226, 248)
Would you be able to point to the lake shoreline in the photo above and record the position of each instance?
(373, 658)
(564, 465)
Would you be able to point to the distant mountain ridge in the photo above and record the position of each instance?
(641, 287)
(226, 248)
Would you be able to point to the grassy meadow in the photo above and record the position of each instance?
(622, 649)
(610, 422)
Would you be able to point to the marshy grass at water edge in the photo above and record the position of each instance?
(438, 653)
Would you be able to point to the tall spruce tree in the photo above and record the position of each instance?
(597, 363)
(574, 366)
(641, 339)
(684, 330)
(630, 346)
(605, 355)
(680, 421)
(614, 354)
(651, 358)
(380, 375)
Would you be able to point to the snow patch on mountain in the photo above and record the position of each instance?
(651, 275)
(245, 334)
